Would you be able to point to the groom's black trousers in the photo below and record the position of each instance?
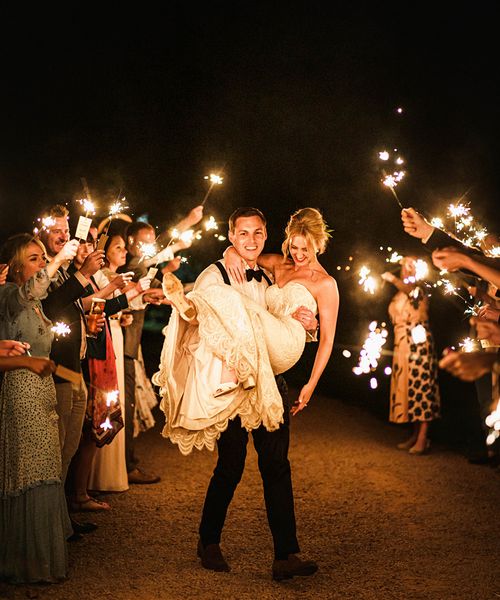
(272, 451)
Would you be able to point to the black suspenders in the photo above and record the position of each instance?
(225, 276)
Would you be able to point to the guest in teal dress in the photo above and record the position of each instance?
(34, 522)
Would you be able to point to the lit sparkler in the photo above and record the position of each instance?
(395, 257)
(391, 180)
(210, 224)
(371, 350)
(88, 206)
(421, 269)
(493, 422)
(112, 398)
(60, 329)
(366, 280)
(418, 334)
(148, 249)
(106, 425)
(214, 179)
(468, 345)
(117, 207)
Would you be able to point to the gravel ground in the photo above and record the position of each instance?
(382, 524)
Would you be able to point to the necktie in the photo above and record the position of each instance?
(254, 274)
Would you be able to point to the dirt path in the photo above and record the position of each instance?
(382, 524)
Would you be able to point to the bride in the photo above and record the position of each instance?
(223, 349)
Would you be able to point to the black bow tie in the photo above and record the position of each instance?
(254, 274)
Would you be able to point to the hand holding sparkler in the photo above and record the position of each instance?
(468, 366)
(68, 252)
(388, 276)
(194, 216)
(92, 264)
(486, 330)
(415, 225)
(172, 265)
(450, 259)
(13, 348)
(489, 312)
(122, 280)
(139, 288)
(155, 296)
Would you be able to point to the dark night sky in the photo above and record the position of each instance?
(295, 102)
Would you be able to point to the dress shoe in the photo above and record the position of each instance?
(418, 452)
(293, 566)
(211, 557)
(138, 476)
(80, 528)
(74, 537)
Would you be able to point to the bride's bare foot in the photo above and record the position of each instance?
(174, 291)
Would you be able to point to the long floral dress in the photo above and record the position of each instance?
(414, 394)
(34, 522)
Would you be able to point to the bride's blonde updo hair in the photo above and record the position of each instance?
(308, 223)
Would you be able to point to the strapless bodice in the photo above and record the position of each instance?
(284, 301)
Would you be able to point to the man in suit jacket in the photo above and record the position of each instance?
(63, 304)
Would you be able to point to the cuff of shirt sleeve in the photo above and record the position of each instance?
(81, 279)
(426, 239)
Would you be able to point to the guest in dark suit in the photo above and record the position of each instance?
(63, 303)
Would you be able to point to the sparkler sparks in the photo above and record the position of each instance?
(215, 179)
(458, 210)
(106, 425)
(493, 422)
(117, 207)
(391, 180)
(371, 350)
(148, 249)
(394, 258)
(366, 280)
(60, 329)
(210, 224)
(468, 345)
(88, 206)
(112, 398)
(418, 334)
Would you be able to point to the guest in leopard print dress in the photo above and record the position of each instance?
(414, 394)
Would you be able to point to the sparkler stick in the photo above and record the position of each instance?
(215, 179)
(390, 182)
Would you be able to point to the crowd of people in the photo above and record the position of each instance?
(478, 362)
(74, 391)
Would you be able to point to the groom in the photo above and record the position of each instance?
(247, 233)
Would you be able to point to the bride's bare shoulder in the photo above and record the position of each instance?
(326, 283)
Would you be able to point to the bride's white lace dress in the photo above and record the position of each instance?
(249, 339)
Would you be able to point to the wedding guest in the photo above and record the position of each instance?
(138, 234)
(109, 471)
(414, 393)
(103, 415)
(63, 303)
(34, 522)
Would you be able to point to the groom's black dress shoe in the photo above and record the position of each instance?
(293, 566)
(211, 557)
(79, 528)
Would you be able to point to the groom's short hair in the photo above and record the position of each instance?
(245, 211)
